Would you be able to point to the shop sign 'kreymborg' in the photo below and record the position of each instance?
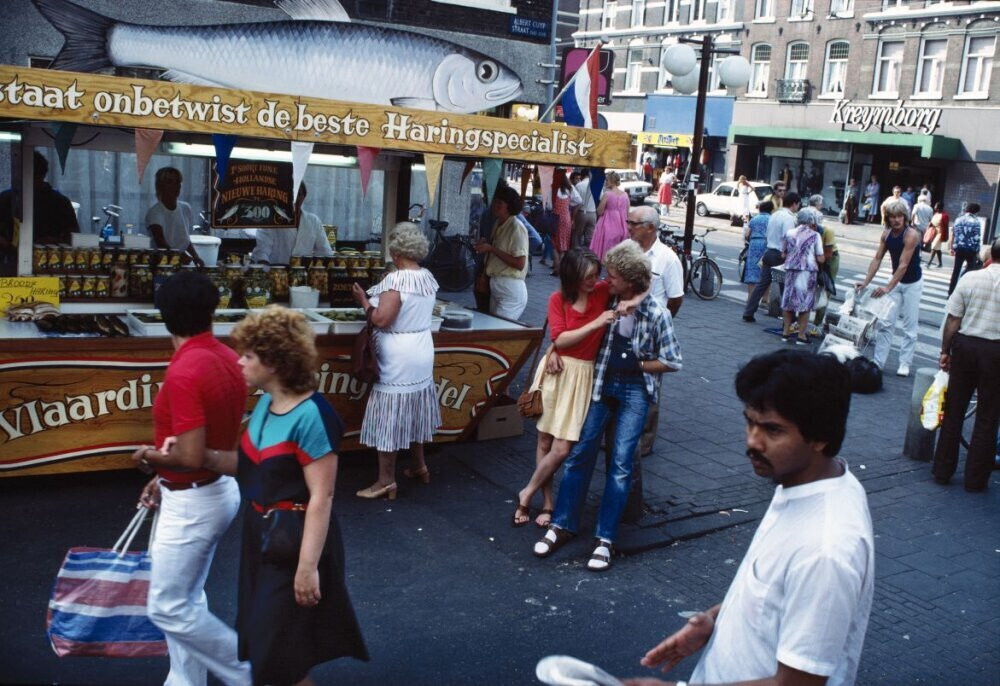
(895, 116)
(50, 95)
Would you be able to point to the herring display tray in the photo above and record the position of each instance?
(150, 323)
(340, 326)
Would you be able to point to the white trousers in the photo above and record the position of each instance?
(905, 299)
(190, 525)
(508, 296)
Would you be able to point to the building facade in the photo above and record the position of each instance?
(901, 91)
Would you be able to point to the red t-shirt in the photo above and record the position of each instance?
(562, 317)
(203, 387)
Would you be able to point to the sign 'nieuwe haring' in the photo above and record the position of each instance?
(115, 101)
(896, 116)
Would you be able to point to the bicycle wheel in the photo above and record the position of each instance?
(968, 422)
(706, 278)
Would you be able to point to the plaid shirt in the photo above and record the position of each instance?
(965, 233)
(653, 339)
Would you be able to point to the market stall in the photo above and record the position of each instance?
(77, 394)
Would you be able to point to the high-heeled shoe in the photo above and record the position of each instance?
(424, 474)
(374, 492)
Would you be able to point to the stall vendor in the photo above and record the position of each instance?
(276, 246)
(170, 220)
(54, 218)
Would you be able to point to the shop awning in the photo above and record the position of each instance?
(933, 146)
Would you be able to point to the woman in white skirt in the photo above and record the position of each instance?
(402, 408)
(578, 318)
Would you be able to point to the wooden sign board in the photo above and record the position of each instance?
(51, 95)
(253, 194)
(20, 290)
(87, 406)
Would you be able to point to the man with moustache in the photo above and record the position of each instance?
(797, 611)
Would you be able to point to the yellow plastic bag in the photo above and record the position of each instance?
(932, 408)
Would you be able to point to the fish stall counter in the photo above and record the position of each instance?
(79, 396)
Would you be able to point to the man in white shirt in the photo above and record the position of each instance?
(276, 246)
(169, 221)
(921, 215)
(782, 221)
(797, 610)
(585, 220)
(667, 285)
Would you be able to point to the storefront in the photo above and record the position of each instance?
(76, 402)
(669, 129)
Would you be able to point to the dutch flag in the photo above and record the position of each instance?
(580, 99)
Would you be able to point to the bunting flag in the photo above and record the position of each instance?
(432, 171)
(525, 178)
(545, 175)
(146, 141)
(596, 183)
(223, 149)
(366, 160)
(492, 171)
(300, 160)
(63, 133)
(469, 166)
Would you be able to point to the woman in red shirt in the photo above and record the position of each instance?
(578, 318)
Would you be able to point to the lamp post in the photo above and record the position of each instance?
(734, 71)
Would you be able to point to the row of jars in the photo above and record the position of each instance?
(64, 259)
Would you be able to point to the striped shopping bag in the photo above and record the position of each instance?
(98, 603)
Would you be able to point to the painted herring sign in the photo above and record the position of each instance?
(897, 116)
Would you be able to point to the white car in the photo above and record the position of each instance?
(633, 184)
(725, 199)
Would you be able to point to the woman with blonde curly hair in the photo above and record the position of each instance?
(402, 410)
(293, 613)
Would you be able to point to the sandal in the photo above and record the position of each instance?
(552, 541)
(544, 511)
(424, 474)
(600, 559)
(526, 510)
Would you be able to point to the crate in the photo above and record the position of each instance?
(502, 421)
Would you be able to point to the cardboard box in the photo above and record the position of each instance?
(502, 421)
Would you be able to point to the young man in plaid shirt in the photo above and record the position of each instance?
(635, 351)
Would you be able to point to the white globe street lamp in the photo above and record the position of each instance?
(734, 72)
(686, 83)
(679, 59)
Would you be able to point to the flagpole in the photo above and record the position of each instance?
(569, 83)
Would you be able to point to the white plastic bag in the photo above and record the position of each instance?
(932, 408)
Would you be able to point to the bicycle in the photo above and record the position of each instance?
(701, 274)
(449, 258)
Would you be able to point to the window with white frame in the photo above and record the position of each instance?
(760, 69)
(635, 62)
(801, 8)
(663, 82)
(638, 12)
(835, 67)
(930, 67)
(714, 83)
(798, 61)
(894, 4)
(977, 67)
(888, 65)
(841, 6)
(763, 9)
(670, 11)
(725, 11)
(698, 10)
(608, 17)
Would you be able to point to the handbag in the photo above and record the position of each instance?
(826, 282)
(98, 603)
(281, 535)
(482, 283)
(742, 261)
(364, 364)
(529, 403)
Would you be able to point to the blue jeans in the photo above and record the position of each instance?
(628, 400)
(547, 248)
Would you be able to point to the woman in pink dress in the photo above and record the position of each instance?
(612, 213)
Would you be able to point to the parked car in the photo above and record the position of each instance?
(725, 199)
(633, 184)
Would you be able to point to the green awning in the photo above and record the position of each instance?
(933, 146)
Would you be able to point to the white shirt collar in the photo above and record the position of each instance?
(782, 494)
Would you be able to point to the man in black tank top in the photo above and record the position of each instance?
(904, 288)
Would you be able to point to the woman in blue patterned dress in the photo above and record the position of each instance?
(755, 236)
(802, 252)
(292, 615)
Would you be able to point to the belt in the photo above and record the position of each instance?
(175, 486)
(280, 505)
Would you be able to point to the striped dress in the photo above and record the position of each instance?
(403, 407)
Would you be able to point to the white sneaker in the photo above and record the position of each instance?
(904, 370)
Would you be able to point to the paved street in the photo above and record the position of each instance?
(448, 593)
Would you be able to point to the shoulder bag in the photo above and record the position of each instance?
(364, 364)
(529, 403)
